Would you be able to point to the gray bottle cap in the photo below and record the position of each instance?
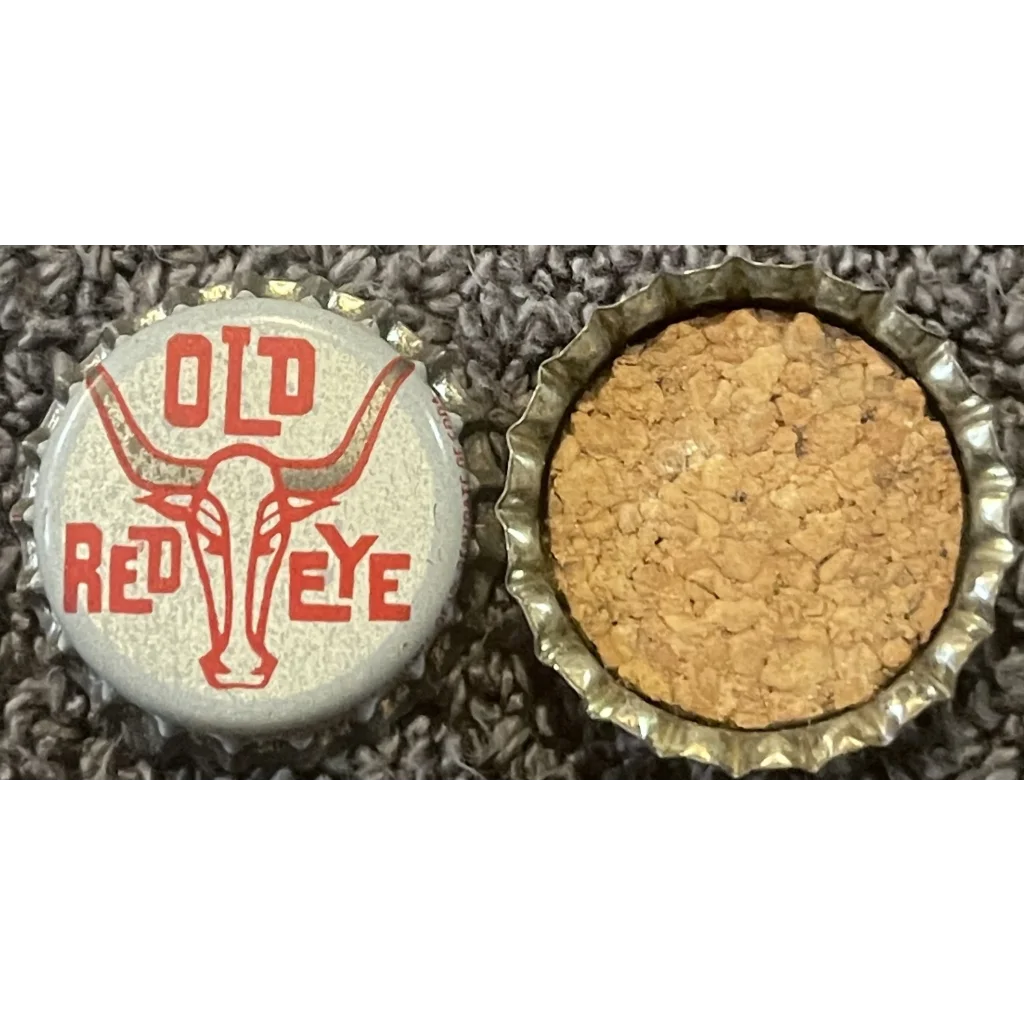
(250, 516)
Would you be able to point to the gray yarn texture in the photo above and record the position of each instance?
(486, 708)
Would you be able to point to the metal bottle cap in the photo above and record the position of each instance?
(989, 548)
(250, 515)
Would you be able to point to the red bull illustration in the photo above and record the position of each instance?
(237, 507)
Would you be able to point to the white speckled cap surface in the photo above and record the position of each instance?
(251, 515)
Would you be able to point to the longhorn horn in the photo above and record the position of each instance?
(144, 464)
(339, 470)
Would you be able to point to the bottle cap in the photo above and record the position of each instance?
(696, 598)
(251, 513)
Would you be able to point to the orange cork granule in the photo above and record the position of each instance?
(754, 519)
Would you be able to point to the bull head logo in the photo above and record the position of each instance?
(228, 525)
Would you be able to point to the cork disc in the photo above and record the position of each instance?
(754, 519)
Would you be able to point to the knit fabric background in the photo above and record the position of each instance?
(486, 708)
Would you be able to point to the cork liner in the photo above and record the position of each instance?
(986, 553)
(754, 519)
